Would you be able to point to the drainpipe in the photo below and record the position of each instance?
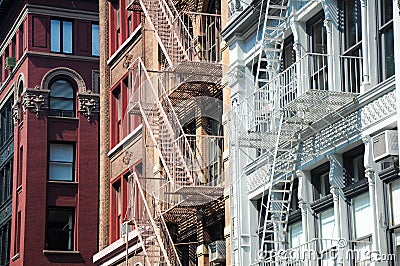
(365, 62)
(329, 44)
(370, 174)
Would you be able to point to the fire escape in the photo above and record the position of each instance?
(182, 161)
(281, 107)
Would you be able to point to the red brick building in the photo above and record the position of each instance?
(49, 58)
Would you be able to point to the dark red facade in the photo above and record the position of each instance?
(64, 208)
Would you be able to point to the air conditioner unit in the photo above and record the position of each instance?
(10, 62)
(217, 251)
(385, 144)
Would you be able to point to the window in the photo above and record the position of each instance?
(62, 100)
(320, 181)
(327, 228)
(61, 162)
(295, 233)
(6, 174)
(351, 64)
(5, 239)
(6, 123)
(61, 36)
(353, 163)
(394, 189)
(95, 40)
(318, 60)
(60, 229)
(362, 212)
(386, 38)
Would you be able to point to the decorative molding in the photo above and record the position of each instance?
(35, 100)
(63, 71)
(89, 104)
(234, 6)
(379, 109)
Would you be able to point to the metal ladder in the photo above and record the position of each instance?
(272, 39)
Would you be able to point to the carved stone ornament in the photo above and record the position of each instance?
(15, 112)
(88, 104)
(127, 60)
(35, 100)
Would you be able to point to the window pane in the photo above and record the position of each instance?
(60, 171)
(55, 36)
(395, 201)
(61, 104)
(362, 213)
(388, 46)
(60, 229)
(296, 232)
(61, 88)
(387, 10)
(67, 36)
(61, 152)
(327, 227)
(95, 40)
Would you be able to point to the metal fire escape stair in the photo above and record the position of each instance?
(156, 244)
(170, 31)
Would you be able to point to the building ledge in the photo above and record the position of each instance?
(116, 251)
(131, 40)
(133, 135)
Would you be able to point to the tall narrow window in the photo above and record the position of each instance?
(386, 38)
(62, 100)
(60, 229)
(95, 40)
(327, 227)
(61, 162)
(295, 233)
(318, 60)
(61, 36)
(362, 212)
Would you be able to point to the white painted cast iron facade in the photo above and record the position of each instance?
(343, 195)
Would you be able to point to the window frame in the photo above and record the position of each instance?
(71, 245)
(61, 36)
(73, 163)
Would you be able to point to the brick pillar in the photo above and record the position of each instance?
(104, 195)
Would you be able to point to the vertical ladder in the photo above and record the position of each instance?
(272, 39)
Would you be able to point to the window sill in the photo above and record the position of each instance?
(72, 183)
(63, 117)
(60, 252)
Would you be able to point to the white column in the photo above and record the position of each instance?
(396, 30)
(329, 44)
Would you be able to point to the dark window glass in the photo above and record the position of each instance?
(386, 38)
(60, 229)
(62, 100)
(5, 239)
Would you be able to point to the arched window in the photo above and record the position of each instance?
(62, 100)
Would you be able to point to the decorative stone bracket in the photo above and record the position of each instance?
(35, 100)
(89, 104)
(15, 112)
